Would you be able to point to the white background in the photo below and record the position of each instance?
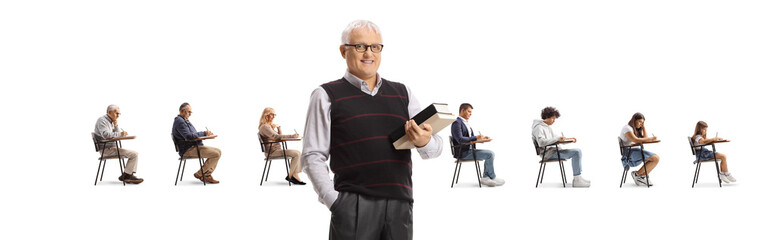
(598, 62)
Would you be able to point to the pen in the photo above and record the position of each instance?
(478, 132)
(296, 131)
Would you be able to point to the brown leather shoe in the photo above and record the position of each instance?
(130, 178)
(209, 178)
(133, 179)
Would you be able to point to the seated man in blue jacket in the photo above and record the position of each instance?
(184, 130)
(463, 133)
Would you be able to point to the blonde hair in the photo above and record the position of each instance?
(266, 112)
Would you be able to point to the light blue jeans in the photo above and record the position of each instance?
(576, 156)
(488, 156)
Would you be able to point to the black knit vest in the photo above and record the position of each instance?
(361, 154)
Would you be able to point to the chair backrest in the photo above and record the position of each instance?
(95, 141)
(537, 148)
(176, 145)
(692, 148)
(450, 140)
(261, 142)
(621, 146)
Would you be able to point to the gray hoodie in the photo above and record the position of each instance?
(543, 134)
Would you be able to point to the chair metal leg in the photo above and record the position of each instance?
(624, 176)
(698, 171)
(268, 170)
(695, 173)
(176, 179)
(184, 166)
(717, 166)
(455, 169)
(458, 173)
(537, 181)
(543, 174)
(121, 166)
(561, 168)
(648, 185)
(103, 171)
(287, 170)
(477, 166)
(201, 162)
(266, 162)
(98, 172)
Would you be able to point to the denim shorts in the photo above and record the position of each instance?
(635, 157)
(705, 154)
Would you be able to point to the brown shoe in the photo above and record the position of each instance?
(130, 178)
(209, 178)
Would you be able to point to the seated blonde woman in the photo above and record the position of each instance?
(272, 132)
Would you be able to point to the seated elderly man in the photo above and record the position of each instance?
(108, 127)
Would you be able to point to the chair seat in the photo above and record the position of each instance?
(111, 157)
(186, 158)
(468, 160)
(278, 158)
(553, 160)
(707, 160)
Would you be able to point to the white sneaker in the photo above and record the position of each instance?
(726, 177)
(487, 182)
(730, 177)
(637, 179)
(640, 180)
(578, 181)
(498, 181)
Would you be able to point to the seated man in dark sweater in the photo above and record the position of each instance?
(182, 131)
(349, 120)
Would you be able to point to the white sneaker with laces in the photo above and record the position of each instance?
(487, 182)
(730, 177)
(724, 178)
(578, 182)
(498, 181)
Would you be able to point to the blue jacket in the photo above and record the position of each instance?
(184, 130)
(460, 134)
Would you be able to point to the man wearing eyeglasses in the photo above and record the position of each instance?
(183, 131)
(108, 127)
(349, 121)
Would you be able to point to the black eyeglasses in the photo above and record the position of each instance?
(362, 47)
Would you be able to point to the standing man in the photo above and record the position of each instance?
(184, 130)
(108, 127)
(544, 135)
(349, 121)
(463, 133)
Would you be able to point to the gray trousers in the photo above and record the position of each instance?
(361, 217)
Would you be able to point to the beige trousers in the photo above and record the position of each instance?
(212, 155)
(131, 165)
(294, 163)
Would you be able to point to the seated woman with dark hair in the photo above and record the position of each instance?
(699, 138)
(543, 134)
(266, 128)
(633, 133)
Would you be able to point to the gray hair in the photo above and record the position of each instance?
(359, 24)
(183, 106)
(111, 108)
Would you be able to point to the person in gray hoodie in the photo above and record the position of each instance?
(543, 134)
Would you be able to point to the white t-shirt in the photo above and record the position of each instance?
(624, 138)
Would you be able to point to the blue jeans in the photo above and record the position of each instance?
(576, 156)
(488, 156)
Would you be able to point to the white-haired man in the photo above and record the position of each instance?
(108, 127)
(349, 121)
